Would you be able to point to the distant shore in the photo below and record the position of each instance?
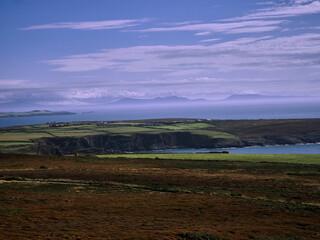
(33, 113)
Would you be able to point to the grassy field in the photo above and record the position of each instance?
(23, 136)
(13, 143)
(85, 197)
(12, 136)
(188, 126)
(280, 158)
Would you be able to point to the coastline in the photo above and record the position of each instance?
(256, 149)
(154, 135)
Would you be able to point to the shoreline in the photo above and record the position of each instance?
(208, 150)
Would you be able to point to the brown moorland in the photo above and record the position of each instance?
(45, 197)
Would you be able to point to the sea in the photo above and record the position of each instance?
(278, 149)
(203, 111)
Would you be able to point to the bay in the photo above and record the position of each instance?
(278, 149)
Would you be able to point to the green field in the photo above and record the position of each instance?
(13, 143)
(188, 126)
(28, 133)
(280, 158)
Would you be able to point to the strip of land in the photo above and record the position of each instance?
(273, 158)
(33, 113)
(104, 137)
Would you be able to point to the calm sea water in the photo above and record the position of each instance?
(208, 111)
(285, 149)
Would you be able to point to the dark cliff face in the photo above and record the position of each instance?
(100, 144)
(103, 144)
(282, 139)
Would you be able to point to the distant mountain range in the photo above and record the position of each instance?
(182, 100)
(255, 97)
(158, 100)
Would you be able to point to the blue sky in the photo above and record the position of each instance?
(74, 53)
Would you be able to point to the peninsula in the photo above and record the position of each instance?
(33, 113)
(102, 137)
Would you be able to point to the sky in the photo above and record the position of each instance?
(84, 53)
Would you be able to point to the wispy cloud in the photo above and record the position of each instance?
(93, 25)
(98, 93)
(265, 3)
(261, 20)
(181, 23)
(105, 92)
(202, 33)
(210, 40)
(228, 27)
(264, 53)
(283, 10)
(12, 83)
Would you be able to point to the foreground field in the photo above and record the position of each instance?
(283, 158)
(139, 198)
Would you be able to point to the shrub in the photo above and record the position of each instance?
(199, 236)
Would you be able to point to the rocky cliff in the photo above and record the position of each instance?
(103, 144)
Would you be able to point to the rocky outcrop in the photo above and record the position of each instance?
(103, 144)
(282, 140)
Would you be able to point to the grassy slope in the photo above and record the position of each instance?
(281, 158)
(29, 133)
(198, 128)
(13, 143)
(254, 128)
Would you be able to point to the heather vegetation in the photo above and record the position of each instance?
(117, 197)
